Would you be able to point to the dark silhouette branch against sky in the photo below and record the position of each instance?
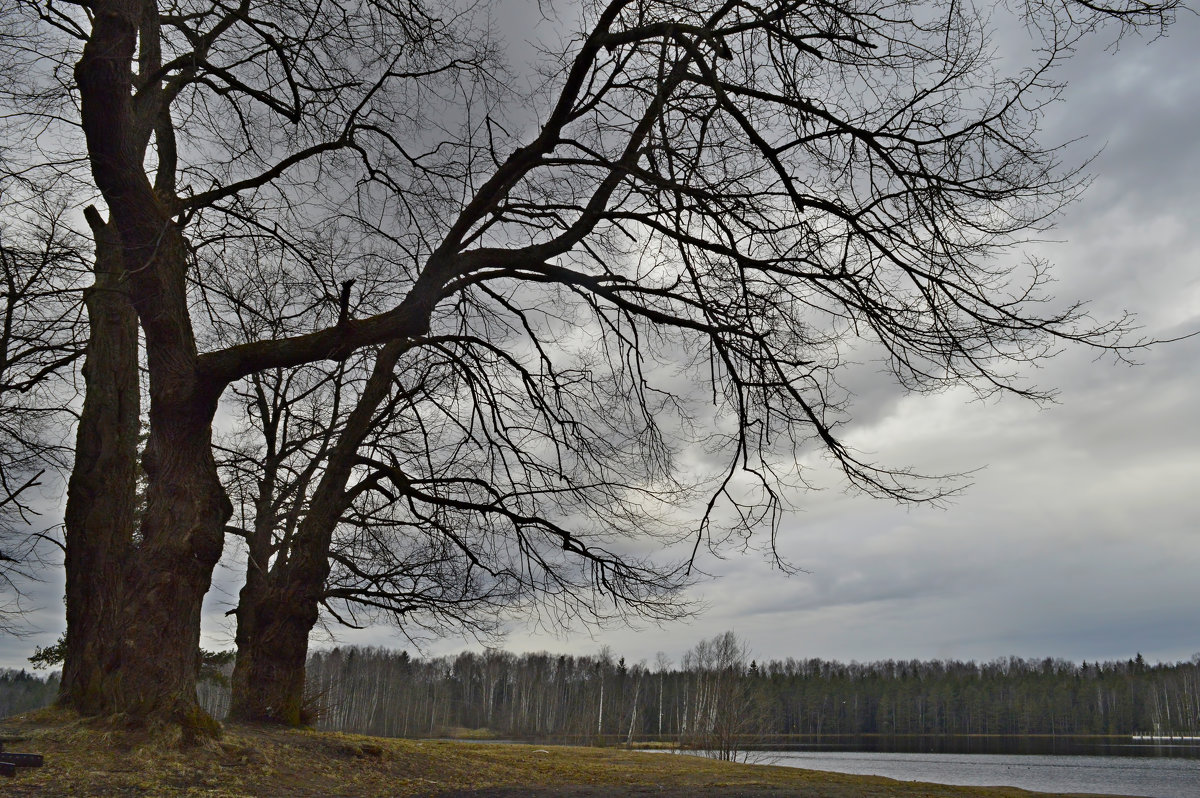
(597, 319)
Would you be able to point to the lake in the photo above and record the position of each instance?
(1159, 777)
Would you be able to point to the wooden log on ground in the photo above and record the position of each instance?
(22, 760)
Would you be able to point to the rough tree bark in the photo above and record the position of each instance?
(99, 518)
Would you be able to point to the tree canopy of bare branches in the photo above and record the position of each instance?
(41, 264)
(672, 241)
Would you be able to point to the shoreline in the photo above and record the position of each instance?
(89, 759)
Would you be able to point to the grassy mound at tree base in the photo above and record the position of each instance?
(85, 759)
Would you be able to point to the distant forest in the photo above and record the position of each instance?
(580, 697)
(22, 691)
(715, 688)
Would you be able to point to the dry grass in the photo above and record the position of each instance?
(85, 759)
(462, 733)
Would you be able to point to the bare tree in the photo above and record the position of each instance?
(726, 714)
(671, 243)
(382, 565)
(763, 229)
(41, 264)
(180, 59)
(426, 572)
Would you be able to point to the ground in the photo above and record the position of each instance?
(87, 759)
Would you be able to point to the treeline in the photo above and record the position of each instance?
(22, 691)
(547, 696)
(1004, 696)
(716, 695)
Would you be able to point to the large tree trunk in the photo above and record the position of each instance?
(182, 529)
(272, 647)
(153, 676)
(181, 540)
(134, 602)
(101, 494)
(279, 606)
(260, 687)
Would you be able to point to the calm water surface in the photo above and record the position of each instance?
(1108, 775)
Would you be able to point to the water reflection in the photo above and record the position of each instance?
(1120, 775)
(1077, 745)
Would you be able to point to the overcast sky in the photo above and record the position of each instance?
(1080, 536)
